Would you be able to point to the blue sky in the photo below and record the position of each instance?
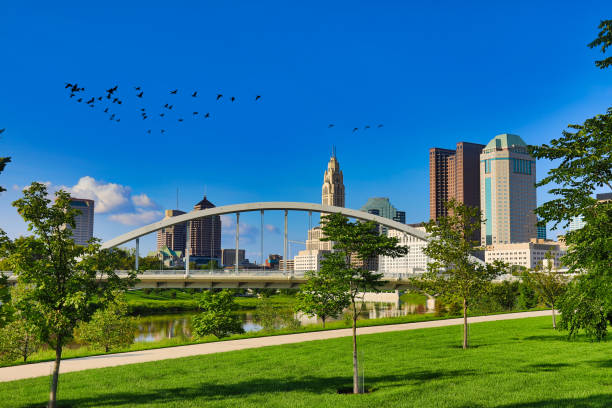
(433, 73)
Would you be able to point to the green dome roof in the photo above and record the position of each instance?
(504, 141)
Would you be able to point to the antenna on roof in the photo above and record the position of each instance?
(204, 190)
(177, 207)
(333, 150)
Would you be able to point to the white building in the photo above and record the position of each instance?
(576, 223)
(309, 260)
(415, 261)
(527, 254)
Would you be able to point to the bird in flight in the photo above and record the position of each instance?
(195, 113)
(355, 129)
(180, 119)
(112, 116)
(257, 97)
(366, 127)
(2, 130)
(207, 115)
(174, 92)
(71, 95)
(142, 109)
(331, 125)
(162, 115)
(80, 100)
(106, 110)
(149, 131)
(91, 100)
(194, 94)
(118, 120)
(163, 131)
(219, 96)
(99, 98)
(232, 99)
(137, 88)
(112, 90)
(68, 85)
(140, 94)
(380, 125)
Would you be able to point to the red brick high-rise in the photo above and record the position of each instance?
(454, 174)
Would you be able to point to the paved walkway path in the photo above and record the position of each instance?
(109, 360)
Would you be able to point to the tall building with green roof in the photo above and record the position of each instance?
(507, 191)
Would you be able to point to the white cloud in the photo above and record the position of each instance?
(143, 200)
(272, 228)
(115, 199)
(139, 217)
(109, 197)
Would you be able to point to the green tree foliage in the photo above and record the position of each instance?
(5, 296)
(527, 297)
(603, 40)
(323, 295)
(109, 328)
(548, 283)
(585, 155)
(217, 315)
(453, 273)
(63, 278)
(354, 244)
(272, 317)
(18, 340)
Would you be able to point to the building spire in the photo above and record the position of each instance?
(334, 151)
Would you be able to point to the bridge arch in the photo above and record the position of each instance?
(262, 206)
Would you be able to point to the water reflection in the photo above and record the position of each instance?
(155, 328)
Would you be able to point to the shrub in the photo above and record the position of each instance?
(216, 317)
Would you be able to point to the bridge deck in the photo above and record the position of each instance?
(243, 279)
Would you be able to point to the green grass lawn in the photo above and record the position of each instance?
(174, 301)
(518, 363)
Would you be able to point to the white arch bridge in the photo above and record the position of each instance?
(238, 278)
(249, 278)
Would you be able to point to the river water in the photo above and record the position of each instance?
(159, 327)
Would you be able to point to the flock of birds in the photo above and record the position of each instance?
(110, 101)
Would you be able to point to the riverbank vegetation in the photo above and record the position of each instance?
(517, 363)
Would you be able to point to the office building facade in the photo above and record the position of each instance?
(228, 257)
(84, 221)
(454, 174)
(507, 191)
(415, 261)
(528, 254)
(174, 237)
(205, 234)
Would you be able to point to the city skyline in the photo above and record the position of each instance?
(335, 71)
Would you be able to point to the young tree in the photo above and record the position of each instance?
(548, 283)
(323, 295)
(454, 273)
(19, 339)
(354, 244)
(63, 278)
(217, 317)
(108, 328)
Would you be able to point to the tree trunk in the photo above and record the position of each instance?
(553, 316)
(25, 349)
(56, 367)
(355, 367)
(465, 324)
(323, 319)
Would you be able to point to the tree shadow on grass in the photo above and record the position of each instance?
(548, 337)
(543, 367)
(214, 392)
(602, 363)
(593, 401)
